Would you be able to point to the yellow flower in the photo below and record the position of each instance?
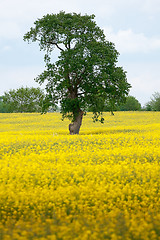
(102, 184)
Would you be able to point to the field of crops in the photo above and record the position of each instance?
(101, 184)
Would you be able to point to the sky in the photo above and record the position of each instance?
(132, 25)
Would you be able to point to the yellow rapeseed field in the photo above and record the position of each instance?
(101, 184)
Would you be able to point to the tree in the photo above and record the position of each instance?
(85, 73)
(24, 100)
(131, 104)
(3, 108)
(147, 107)
(154, 103)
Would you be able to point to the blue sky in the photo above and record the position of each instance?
(133, 26)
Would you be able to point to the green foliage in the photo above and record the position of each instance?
(131, 104)
(3, 108)
(147, 107)
(85, 74)
(154, 103)
(24, 100)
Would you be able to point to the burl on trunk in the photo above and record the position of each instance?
(75, 126)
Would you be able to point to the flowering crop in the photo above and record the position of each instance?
(101, 184)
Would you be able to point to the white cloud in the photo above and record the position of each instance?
(144, 78)
(127, 41)
(18, 15)
(22, 10)
(151, 6)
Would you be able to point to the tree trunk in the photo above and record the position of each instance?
(75, 126)
(112, 113)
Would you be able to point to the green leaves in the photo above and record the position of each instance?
(154, 103)
(85, 73)
(24, 100)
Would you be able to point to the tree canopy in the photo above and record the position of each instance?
(85, 73)
(24, 100)
(131, 104)
(154, 103)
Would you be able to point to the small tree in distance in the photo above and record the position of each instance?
(131, 104)
(154, 103)
(3, 108)
(85, 73)
(24, 100)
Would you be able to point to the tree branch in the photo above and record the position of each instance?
(79, 94)
(56, 44)
(50, 42)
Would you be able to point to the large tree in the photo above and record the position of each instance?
(85, 73)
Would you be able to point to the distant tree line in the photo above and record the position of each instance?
(32, 100)
(22, 100)
(132, 104)
(154, 103)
